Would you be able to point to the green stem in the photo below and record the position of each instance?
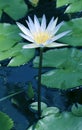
(39, 83)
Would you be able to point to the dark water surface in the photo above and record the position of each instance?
(9, 77)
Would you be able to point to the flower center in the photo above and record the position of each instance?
(41, 37)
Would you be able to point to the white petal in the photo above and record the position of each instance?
(26, 37)
(47, 42)
(52, 24)
(31, 25)
(54, 44)
(30, 46)
(49, 27)
(24, 29)
(36, 23)
(60, 35)
(43, 23)
(57, 27)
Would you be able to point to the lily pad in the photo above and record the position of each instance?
(11, 48)
(21, 57)
(60, 79)
(66, 66)
(16, 9)
(65, 121)
(72, 8)
(75, 37)
(8, 36)
(6, 123)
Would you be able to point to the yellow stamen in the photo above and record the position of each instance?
(41, 37)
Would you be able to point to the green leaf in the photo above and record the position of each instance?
(53, 58)
(24, 56)
(67, 66)
(8, 36)
(60, 79)
(62, 2)
(6, 123)
(72, 8)
(16, 9)
(11, 48)
(75, 37)
(63, 121)
(12, 52)
(77, 110)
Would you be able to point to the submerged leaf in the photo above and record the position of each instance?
(6, 123)
(30, 91)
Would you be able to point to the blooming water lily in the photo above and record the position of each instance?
(41, 35)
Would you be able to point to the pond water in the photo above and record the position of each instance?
(10, 76)
(13, 76)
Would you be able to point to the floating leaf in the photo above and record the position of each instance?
(60, 79)
(77, 110)
(22, 57)
(12, 52)
(16, 9)
(62, 2)
(75, 37)
(68, 67)
(72, 8)
(18, 55)
(53, 58)
(11, 48)
(6, 123)
(8, 36)
(63, 121)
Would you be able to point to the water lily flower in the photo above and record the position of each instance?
(41, 35)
